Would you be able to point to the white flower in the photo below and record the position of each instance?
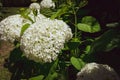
(94, 71)
(35, 7)
(47, 4)
(36, 18)
(43, 40)
(10, 27)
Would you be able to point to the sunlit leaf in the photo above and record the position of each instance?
(89, 24)
(61, 11)
(87, 49)
(24, 28)
(77, 63)
(25, 13)
(84, 27)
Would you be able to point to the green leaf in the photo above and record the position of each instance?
(84, 27)
(25, 13)
(87, 49)
(52, 76)
(77, 63)
(83, 3)
(52, 72)
(54, 66)
(60, 12)
(106, 42)
(24, 27)
(73, 44)
(40, 77)
(89, 24)
(86, 56)
(47, 12)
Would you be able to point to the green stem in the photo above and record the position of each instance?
(75, 24)
(76, 31)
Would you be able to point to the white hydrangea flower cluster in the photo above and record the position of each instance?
(94, 71)
(43, 40)
(47, 4)
(10, 27)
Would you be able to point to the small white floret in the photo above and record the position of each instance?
(47, 4)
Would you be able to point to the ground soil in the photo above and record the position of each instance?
(5, 48)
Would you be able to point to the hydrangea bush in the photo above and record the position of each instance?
(53, 47)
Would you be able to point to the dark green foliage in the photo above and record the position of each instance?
(73, 44)
(106, 42)
(21, 67)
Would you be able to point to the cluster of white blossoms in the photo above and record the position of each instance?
(10, 27)
(94, 71)
(35, 7)
(47, 4)
(43, 40)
